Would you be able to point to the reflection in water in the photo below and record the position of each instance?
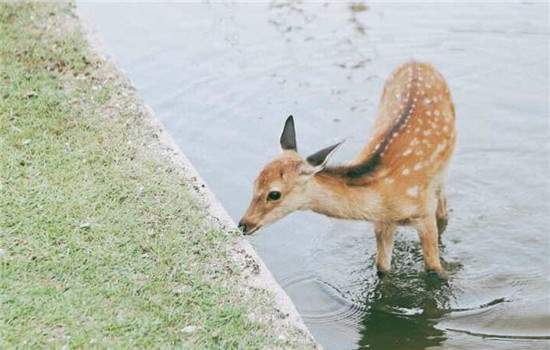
(396, 319)
(402, 309)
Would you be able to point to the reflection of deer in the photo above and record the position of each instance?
(402, 313)
(396, 180)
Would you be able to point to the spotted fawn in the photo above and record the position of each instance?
(397, 179)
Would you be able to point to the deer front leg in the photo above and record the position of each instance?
(384, 245)
(427, 231)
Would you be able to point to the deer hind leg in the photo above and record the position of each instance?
(385, 233)
(427, 231)
(441, 215)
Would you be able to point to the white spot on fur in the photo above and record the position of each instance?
(440, 147)
(427, 144)
(413, 191)
(389, 180)
(418, 166)
(406, 171)
(407, 152)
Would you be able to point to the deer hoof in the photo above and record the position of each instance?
(382, 274)
(439, 274)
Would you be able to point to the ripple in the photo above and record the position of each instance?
(336, 308)
(482, 306)
(499, 336)
(520, 319)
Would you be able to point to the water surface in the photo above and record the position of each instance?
(223, 78)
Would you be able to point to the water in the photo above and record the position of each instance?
(223, 78)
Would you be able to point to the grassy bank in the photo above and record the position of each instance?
(102, 241)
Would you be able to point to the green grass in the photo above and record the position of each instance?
(102, 243)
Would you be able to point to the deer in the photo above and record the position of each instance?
(397, 179)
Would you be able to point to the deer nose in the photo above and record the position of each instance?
(242, 226)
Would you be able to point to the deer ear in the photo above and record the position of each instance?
(288, 137)
(319, 159)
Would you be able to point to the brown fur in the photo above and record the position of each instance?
(396, 179)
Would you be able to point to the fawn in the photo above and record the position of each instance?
(397, 179)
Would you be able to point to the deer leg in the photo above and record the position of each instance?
(384, 245)
(427, 231)
(441, 216)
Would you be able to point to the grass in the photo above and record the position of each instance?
(102, 241)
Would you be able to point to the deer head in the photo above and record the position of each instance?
(283, 185)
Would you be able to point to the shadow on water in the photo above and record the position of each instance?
(402, 309)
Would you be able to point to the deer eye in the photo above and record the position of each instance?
(273, 195)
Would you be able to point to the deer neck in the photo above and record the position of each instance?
(332, 196)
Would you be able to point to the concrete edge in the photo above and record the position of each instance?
(242, 249)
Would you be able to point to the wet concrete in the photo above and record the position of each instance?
(223, 78)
